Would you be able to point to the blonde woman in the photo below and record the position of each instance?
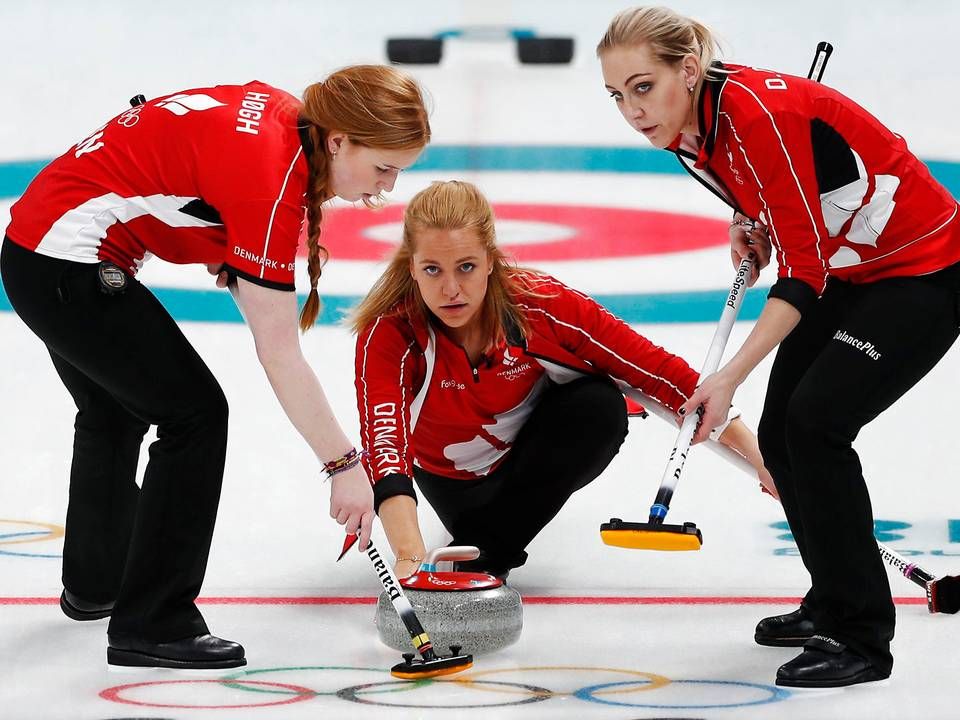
(866, 302)
(496, 389)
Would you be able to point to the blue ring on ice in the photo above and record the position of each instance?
(775, 695)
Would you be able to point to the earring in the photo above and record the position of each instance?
(690, 88)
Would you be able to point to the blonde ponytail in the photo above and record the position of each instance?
(669, 35)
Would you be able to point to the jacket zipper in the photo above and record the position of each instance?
(726, 196)
(473, 368)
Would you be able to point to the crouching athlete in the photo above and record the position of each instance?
(495, 388)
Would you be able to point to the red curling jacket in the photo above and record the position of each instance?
(841, 194)
(423, 403)
(209, 175)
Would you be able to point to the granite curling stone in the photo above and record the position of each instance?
(474, 610)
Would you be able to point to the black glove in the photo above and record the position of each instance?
(943, 594)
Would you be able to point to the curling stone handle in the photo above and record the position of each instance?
(452, 553)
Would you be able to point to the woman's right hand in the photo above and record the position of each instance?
(351, 503)
(742, 440)
(398, 516)
(715, 393)
(746, 239)
(406, 568)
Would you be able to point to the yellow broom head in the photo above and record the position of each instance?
(650, 536)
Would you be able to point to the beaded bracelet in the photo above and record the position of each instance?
(343, 463)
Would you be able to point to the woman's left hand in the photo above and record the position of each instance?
(217, 269)
(715, 393)
(767, 484)
(739, 438)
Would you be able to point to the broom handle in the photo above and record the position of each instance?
(418, 636)
(678, 456)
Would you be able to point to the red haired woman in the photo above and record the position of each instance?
(223, 176)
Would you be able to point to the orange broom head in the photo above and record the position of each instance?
(422, 669)
(423, 673)
(649, 536)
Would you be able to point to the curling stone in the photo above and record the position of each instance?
(474, 610)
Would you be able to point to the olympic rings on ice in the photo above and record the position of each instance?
(448, 692)
(234, 679)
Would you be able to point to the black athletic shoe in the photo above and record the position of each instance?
(790, 630)
(77, 608)
(193, 653)
(826, 663)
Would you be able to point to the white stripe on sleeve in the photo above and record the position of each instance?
(793, 173)
(607, 350)
(276, 204)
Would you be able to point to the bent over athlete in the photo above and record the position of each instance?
(223, 176)
(866, 302)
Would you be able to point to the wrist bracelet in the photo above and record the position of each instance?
(343, 468)
(412, 558)
(345, 462)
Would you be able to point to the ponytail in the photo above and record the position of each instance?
(669, 35)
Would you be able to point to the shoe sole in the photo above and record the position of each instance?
(74, 614)
(780, 641)
(869, 675)
(131, 658)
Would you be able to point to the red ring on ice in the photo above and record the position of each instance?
(302, 693)
(568, 232)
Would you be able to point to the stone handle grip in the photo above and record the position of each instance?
(452, 553)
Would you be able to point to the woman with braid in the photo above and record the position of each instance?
(222, 176)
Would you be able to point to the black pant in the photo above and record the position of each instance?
(568, 440)
(128, 366)
(853, 355)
